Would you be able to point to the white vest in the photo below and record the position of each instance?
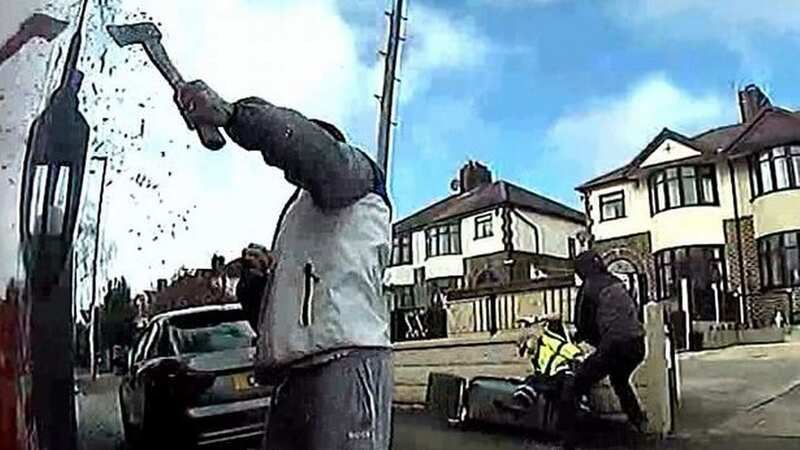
(326, 291)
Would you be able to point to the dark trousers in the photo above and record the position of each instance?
(345, 404)
(616, 360)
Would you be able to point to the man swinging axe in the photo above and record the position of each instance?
(323, 325)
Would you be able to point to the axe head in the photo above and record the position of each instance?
(135, 33)
(44, 26)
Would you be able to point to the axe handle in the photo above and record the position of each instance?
(210, 136)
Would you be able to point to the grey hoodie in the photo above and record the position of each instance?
(331, 245)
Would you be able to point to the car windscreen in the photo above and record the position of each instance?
(204, 333)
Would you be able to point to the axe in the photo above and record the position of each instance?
(37, 25)
(148, 35)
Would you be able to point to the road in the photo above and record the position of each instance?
(738, 398)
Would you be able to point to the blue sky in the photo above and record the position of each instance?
(566, 89)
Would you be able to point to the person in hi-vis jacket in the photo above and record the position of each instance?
(323, 324)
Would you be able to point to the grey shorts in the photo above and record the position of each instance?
(345, 404)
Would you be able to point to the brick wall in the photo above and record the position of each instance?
(634, 248)
(764, 306)
(761, 305)
(750, 255)
(795, 306)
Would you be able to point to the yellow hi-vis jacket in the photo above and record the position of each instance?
(552, 354)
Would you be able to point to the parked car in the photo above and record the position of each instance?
(189, 381)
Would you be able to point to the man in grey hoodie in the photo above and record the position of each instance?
(323, 324)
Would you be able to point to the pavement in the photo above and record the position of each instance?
(736, 398)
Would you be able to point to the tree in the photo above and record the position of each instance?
(119, 315)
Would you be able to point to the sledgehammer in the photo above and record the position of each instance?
(148, 35)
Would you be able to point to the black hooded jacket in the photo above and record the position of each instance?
(606, 313)
(250, 292)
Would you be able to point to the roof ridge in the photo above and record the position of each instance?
(758, 118)
(711, 130)
(542, 197)
(446, 199)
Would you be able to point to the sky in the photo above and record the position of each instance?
(547, 93)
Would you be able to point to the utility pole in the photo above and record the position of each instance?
(93, 309)
(387, 98)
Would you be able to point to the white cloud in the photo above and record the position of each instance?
(608, 132)
(436, 42)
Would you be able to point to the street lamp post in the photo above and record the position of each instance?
(52, 180)
(93, 338)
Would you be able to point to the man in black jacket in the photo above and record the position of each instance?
(606, 318)
(256, 265)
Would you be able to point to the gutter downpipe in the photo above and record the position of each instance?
(740, 255)
(587, 208)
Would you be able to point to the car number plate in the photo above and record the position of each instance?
(243, 381)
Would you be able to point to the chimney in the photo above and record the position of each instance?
(473, 175)
(161, 284)
(751, 101)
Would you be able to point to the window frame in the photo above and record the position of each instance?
(766, 267)
(604, 200)
(402, 292)
(659, 181)
(449, 232)
(150, 350)
(768, 157)
(572, 247)
(402, 249)
(482, 221)
(672, 265)
(139, 349)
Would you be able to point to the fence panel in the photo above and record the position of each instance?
(418, 324)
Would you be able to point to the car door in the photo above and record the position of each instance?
(127, 380)
(138, 382)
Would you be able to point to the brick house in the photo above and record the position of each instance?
(488, 233)
(192, 288)
(709, 223)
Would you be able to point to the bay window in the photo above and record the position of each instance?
(677, 187)
(775, 169)
(779, 259)
(702, 264)
(443, 240)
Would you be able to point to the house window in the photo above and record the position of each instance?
(404, 297)
(401, 249)
(677, 187)
(571, 247)
(703, 263)
(483, 226)
(443, 240)
(779, 260)
(612, 206)
(775, 169)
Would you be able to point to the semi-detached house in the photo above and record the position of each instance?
(488, 233)
(709, 223)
